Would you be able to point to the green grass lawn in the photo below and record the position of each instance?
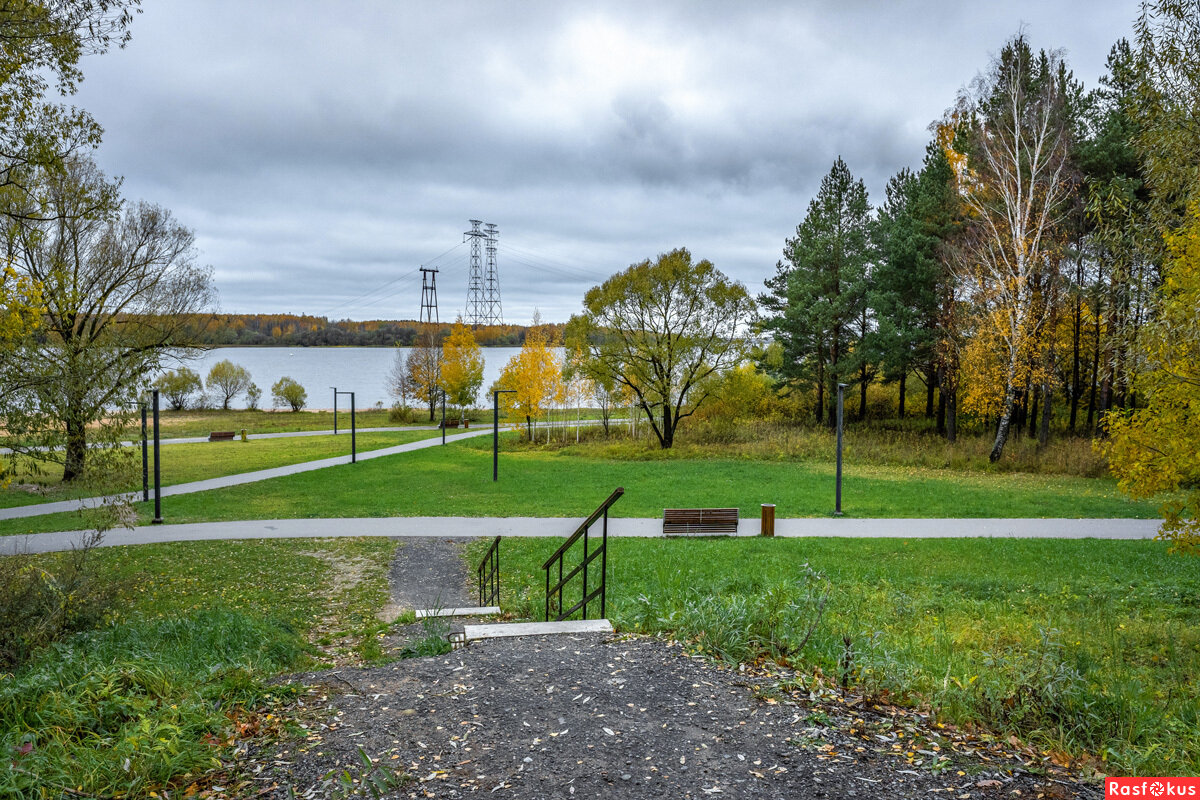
(180, 670)
(183, 463)
(457, 481)
(201, 423)
(1084, 646)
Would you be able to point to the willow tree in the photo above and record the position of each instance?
(1015, 133)
(121, 293)
(665, 330)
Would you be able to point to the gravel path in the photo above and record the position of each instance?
(429, 572)
(617, 717)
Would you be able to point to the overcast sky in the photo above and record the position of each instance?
(322, 152)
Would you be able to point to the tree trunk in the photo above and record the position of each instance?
(1044, 429)
(668, 429)
(75, 458)
(1033, 415)
(820, 400)
(1002, 428)
(432, 408)
(862, 393)
(932, 377)
(903, 380)
(951, 405)
(528, 428)
(941, 406)
(1075, 358)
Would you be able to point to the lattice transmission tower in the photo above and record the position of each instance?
(491, 294)
(476, 302)
(429, 309)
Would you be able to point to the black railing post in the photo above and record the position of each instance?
(145, 459)
(353, 433)
(604, 565)
(443, 417)
(335, 394)
(547, 595)
(157, 469)
(585, 563)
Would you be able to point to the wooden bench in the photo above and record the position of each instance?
(704, 521)
(450, 423)
(222, 436)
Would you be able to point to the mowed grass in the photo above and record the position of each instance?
(203, 422)
(154, 699)
(1087, 647)
(183, 463)
(456, 480)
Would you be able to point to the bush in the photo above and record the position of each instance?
(40, 605)
(253, 395)
(288, 392)
(178, 386)
(402, 415)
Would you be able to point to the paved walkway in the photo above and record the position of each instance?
(278, 435)
(20, 512)
(564, 526)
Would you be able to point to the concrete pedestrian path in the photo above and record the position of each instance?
(39, 509)
(289, 434)
(564, 526)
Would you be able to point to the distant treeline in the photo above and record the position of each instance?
(301, 330)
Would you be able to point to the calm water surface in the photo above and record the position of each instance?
(362, 370)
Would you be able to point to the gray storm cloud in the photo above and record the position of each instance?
(322, 150)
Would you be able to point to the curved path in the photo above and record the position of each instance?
(564, 526)
(19, 512)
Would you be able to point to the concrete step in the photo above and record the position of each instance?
(467, 611)
(501, 630)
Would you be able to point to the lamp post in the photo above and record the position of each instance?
(145, 459)
(496, 432)
(837, 509)
(157, 471)
(443, 416)
(353, 426)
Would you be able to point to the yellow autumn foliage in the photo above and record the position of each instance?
(1157, 448)
(535, 374)
(462, 366)
(20, 307)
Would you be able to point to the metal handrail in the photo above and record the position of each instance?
(489, 576)
(588, 557)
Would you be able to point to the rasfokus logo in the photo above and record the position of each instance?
(1152, 787)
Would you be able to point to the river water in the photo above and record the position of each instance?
(362, 370)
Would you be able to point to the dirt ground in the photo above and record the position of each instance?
(622, 717)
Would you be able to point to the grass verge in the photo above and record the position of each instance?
(154, 699)
(1091, 648)
(183, 463)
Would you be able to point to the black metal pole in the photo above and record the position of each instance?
(145, 459)
(443, 417)
(837, 511)
(157, 469)
(495, 436)
(335, 393)
(353, 433)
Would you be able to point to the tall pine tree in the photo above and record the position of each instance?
(816, 306)
(910, 280)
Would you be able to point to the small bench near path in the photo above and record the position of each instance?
(699, 521)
